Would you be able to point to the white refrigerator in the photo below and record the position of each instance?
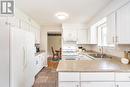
(16, 57)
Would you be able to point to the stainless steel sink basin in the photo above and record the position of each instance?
(100, 55)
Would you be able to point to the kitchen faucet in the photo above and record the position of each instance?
(101, 51)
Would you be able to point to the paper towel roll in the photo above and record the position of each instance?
(124, 60)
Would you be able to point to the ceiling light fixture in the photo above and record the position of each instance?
(62, 15)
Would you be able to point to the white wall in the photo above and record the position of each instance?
(114, 5)
(44, 30)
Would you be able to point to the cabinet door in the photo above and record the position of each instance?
(122, 84)
(123, 26)
(70, 34)
(97, 84)
(44, 60)
(69, 84)
(37, 33)
(111, 29)
(93, 35)
(82, 36)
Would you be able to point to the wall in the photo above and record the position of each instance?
(114, 5)
(44, 30)
(55, 42)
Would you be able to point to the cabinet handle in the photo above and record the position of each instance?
(77, 85)
(113, 39)
(129, 77)
(117, 39)
(117, 85)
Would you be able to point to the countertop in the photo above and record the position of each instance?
(99, 65)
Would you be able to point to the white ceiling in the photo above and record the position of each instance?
(80, 11)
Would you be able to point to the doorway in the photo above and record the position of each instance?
(54, 40)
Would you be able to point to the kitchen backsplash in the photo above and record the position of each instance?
(118, 50)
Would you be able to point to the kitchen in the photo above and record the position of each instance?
(95, 43)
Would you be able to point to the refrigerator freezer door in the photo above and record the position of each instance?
(30, 53)
(17, 56)
(4, 55)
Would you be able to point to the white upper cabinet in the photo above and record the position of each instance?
(111, 29)
(14, 22)
(69, 33)
(82, 36)
(123, 25)
(36, 33)
(24, 25)
(93, 34)
(3, 20)
(37, 36)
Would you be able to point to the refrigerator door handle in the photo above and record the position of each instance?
(24, 58)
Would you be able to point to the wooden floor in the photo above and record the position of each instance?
(47, 77)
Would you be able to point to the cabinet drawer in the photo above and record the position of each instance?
(69, 84)
(122, 84)
(122, 76)
(68, 76)
(97, 84)
(97, 76)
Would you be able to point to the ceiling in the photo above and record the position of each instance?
(43, 11)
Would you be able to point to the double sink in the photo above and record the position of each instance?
(88, 56)
(98, 55)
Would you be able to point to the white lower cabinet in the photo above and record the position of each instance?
(122, 84)
(40, 62)
(69, 84)
(97, 84)
(94, 79)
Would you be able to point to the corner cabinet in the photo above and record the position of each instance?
(123, 26)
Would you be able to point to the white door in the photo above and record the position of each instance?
(122, 84)
(4, 55)
(97, 84)
(69, 84)
(29, 66)
(111, 29)
(123, 26)
(18, 56)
